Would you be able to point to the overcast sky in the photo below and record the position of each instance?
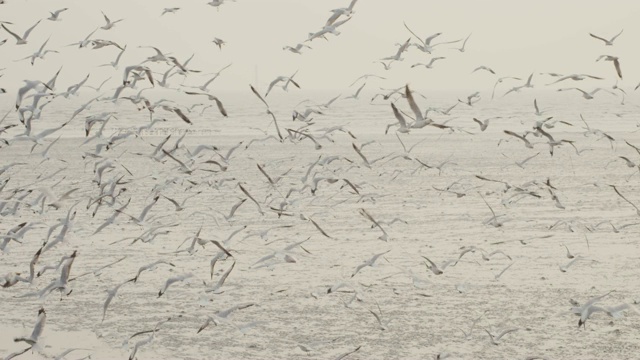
(512, 37)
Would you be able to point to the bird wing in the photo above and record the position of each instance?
(360, 153)
(220, 107)
(259, 96)
(505, 332)
(398, 115)
(428, 40)
(598, 37)
(615, 37)
(37, 330)
(224, 276)
(182, 116)
(413, 105)
(616, 63)
(430, 262)
(26, 33)
(359, 89)
(12, 33)
(149, 75)
(294, 83)
(272, 84)
(333, 18)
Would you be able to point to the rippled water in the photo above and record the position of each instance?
(422, 313)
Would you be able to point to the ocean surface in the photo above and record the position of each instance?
(436, 188)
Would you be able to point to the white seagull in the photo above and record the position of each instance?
(22, 40)
(110, 24)
(56, 14)
(37, 329)
(607, 42)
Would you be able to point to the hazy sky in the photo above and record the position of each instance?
(512, 37)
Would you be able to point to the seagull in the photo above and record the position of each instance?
(140, 343)
(331, 101)
(497, 276)
(40, 53)
(348, 11)
(484, 124)
(287, 79)
(535, 105)
(99, 87)
(587, 95)
(12, 278)
(369, 262)
(212, 98)
(499, 81)
(52, 200)
(485, 68)
(297, 49)
(528, 84)
(206, 84)
(305, 116)
(439, 271)
(565, 268)
(464, 44)
(84, 42)
(22, 40)
(615, 60)
(223, 278)
(223, 315)
(387, 66)
(397, 56)
(430, 64)
(366, 77)
(625, 199)
(607, 42)
(113, 217)
(56, 14)
(576, 77)
(327, 29)
(487, 257)
(496, 338)
(171, 281)
(180, 206)
(151, 266)
(37, 329)
(344, 355)
(110, 24)
(216, 3)
(219, 42)
(140, 219)
(520, 164)
(111, 294)
(613, 311)
(114, 64)
(384, 236)
(357, 93)
(470, 99)
(169, 11)
(426, 45)
(62, 355)
(383, 324)
(233, 210)
(140, 68)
